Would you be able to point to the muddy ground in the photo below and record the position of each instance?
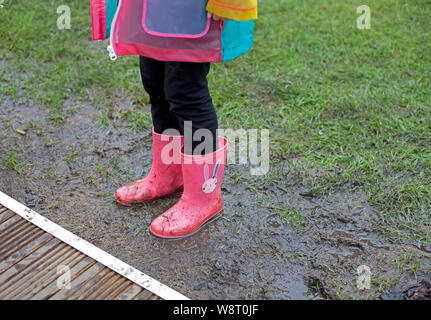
(274, 240)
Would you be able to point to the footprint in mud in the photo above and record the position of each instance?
(420, 291)
(410, 287)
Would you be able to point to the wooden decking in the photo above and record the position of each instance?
(40, 260)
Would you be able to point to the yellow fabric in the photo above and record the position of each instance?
(239, 10)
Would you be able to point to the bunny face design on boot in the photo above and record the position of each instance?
(210, 184)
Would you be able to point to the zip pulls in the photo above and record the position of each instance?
(112, 55)
(221, 24)
(111, 52)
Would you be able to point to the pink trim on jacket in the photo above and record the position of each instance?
(98, 20)
(168, 54)
(171, 35)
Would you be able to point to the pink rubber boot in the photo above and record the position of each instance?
(201, 200)
(165, 176)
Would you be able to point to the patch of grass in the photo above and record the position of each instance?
(104, 119)
(48, 173)
(100, 169)
(71, 155)
(409, 262)
(13, 91)
(91, 177)
(138, 120)
(289, 214)
(236, 178)
(11, 161)
(127, 224)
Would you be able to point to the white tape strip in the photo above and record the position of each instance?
(92, 251)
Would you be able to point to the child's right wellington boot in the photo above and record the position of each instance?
(201, 200)
(164, 178)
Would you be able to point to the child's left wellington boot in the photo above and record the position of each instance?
(164, 178)
(201, 200)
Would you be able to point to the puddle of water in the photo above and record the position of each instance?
(298, 290)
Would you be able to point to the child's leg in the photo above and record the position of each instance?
(163, 178)
(153, 79)
(186, 90)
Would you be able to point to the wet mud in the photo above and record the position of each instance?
(274, 240)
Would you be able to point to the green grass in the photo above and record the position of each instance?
(354, 103)
(12, 161)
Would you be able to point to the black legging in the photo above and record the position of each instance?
(179, 92)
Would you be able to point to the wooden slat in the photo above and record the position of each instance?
(12, 251)
(6, 215)
(9, 220)
(18, 237)
(95, 277)
(49, 290)
(128, 292)
(49, 276)
(26, 250)
(78, 280)
(31, 261)
(20, 278)
(144, 295)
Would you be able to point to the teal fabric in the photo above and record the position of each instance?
(111, 8)
(237, 38)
